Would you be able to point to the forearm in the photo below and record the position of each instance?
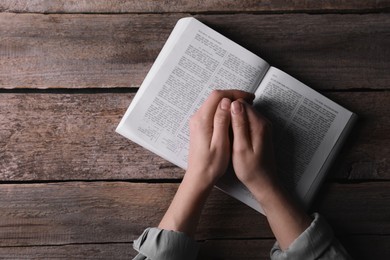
(285, 217)
(184, 212)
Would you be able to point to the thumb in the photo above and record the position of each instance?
(221, 123)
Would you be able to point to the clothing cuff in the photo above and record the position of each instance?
(311, 244)
(155, 243)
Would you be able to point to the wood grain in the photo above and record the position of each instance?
(72, 137)
(49, 142)
(155, 6)
(361, 157)
(112, 251)
(367, 247)
(360, 247)
(113, 212)
(327, 51)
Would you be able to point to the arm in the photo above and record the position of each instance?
(254, 164)
(209, 155)
(184, 212)
(208, 160)
(298, 236)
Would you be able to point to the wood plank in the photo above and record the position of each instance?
(113, 251)
(72, 137)
(329, 51)
(360, 157)
(155, 6)
(367, 247)
(112, 212)
(360, 247)
(343, 206)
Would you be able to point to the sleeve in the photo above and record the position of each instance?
(316, 242)
(159, 244)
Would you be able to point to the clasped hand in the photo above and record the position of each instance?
(212, 148)
(251, 153)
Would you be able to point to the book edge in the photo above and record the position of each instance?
(319, 179)
(162, 56)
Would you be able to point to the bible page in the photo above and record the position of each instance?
(306, 128)
(194, 61)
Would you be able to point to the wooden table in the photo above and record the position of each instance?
(70, 187)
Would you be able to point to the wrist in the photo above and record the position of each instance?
(184, 212)
(266, 191)
(200, 179)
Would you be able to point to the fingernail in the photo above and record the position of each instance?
(225, 104)
(236, 107)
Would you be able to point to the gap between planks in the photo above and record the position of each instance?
(196, 7)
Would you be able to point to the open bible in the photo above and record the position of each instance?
(308, 127)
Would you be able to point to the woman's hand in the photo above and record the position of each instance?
(253, 155)
(254, 164)
(209, 157)
(210, 147)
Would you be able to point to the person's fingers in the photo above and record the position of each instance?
(259, 126)
(220, 136)
(202, 121)
(199, 133)
(207, 110)
(240, 125)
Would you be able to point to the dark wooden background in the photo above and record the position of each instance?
(70, 187)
